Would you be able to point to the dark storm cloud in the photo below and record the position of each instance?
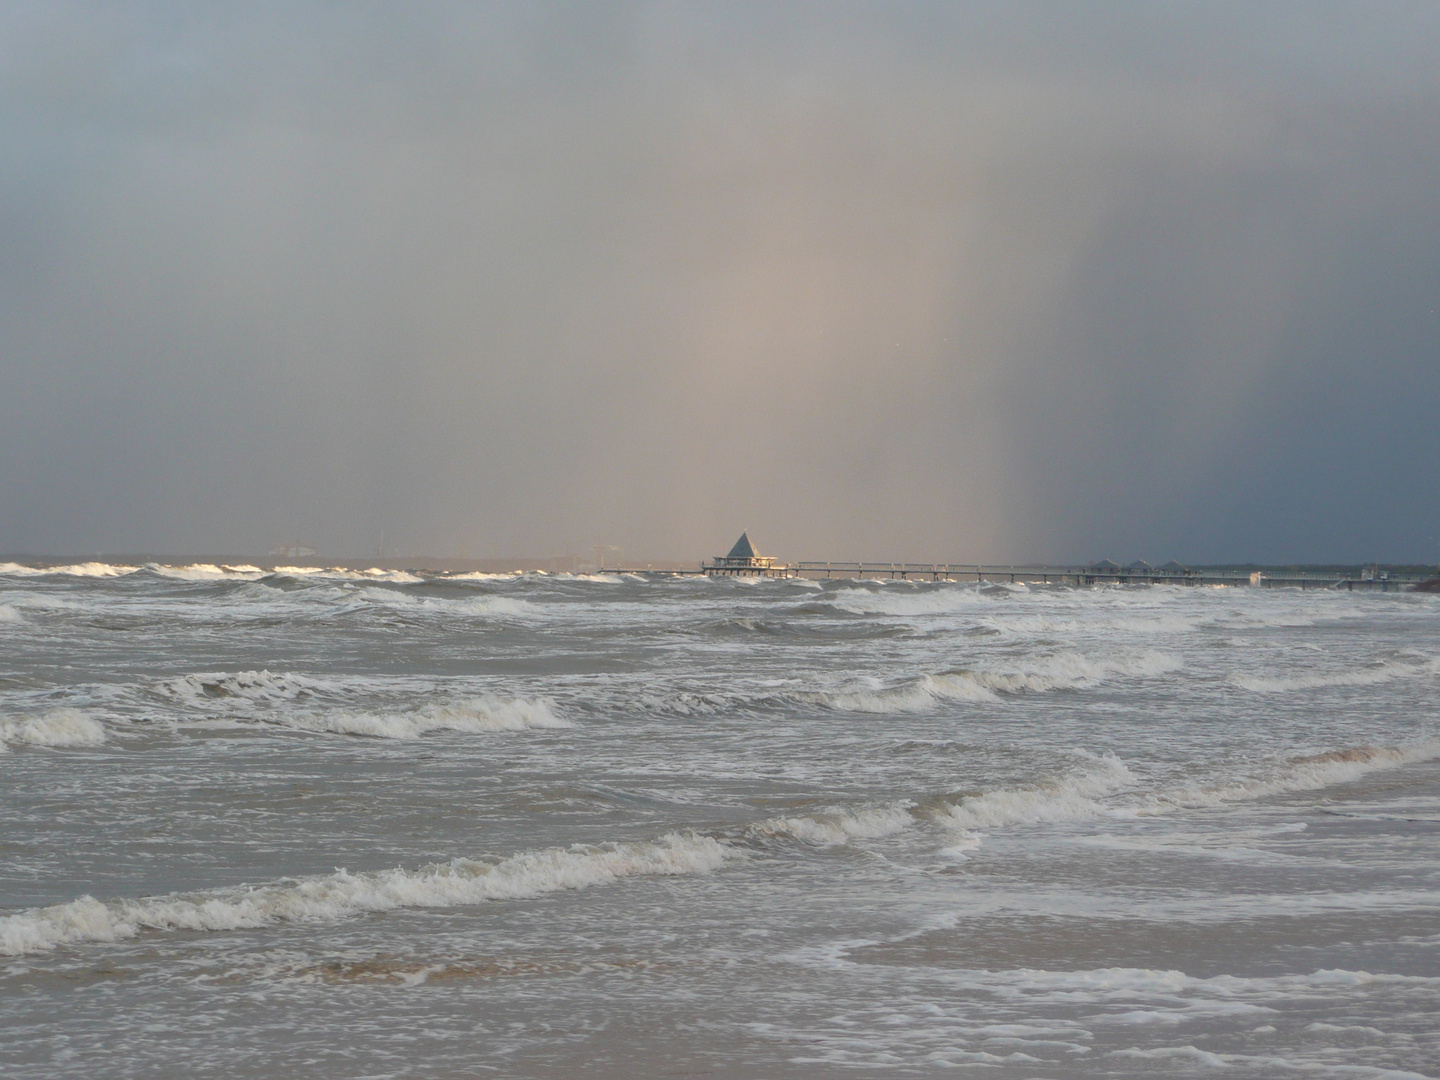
(895, 281)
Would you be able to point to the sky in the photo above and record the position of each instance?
(924, 281)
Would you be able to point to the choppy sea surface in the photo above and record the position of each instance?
(368, 824)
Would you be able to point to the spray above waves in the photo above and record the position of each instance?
(459, 883)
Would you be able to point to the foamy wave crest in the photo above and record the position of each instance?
(88, 569)
(58, 727)
(261, 687)
(205, 572)
(477, 714)
(459, 883)
(1061, 671)
(1105, 786)
(1364, 677)
(873, 696)
(837, 825)
(1076, 795)
(893, 601)
(1307, 772)
(9, 613)
(486, 606)
(1070, 671)
(340, 573)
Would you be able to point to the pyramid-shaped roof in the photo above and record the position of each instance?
(743, 549)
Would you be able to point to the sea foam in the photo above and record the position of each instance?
(838, 825)
(58, 727)
(1372, 676)
(475, 714)
(1075, 795)
(87, 569)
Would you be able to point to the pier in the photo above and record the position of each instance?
(1081, 575)
(744, 561)
(1101, 574)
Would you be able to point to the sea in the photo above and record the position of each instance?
(310, 822)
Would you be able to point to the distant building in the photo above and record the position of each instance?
(743, 559)
(294, 550)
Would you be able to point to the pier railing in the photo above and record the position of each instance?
(1099, 575)
(1369, 578)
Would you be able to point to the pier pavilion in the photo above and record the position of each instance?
(744, 561)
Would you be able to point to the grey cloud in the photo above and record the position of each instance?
(892, 281)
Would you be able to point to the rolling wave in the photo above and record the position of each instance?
(327, 898)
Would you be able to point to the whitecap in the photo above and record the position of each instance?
(484, 606)
(1076, 795)
(459, 883)
(837, 825)
(205, 572)
(204, 688)
(87, 569)
(58, 727)
(1041, 674)
(476, 714)
(1372, 676)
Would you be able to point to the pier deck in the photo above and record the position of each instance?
(1367, 579)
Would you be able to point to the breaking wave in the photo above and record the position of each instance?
(891, 600)
(261, 687)
(1060, 671)
(206, 572)
(476, 714)
(1305, 772)
(1364, 677)
(340, 573)
(837, 825)
(327, 898)
(58, 727)
(1105, 786)
(270, 698)
(1076, 795)
(87, 569)
(487, 606)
